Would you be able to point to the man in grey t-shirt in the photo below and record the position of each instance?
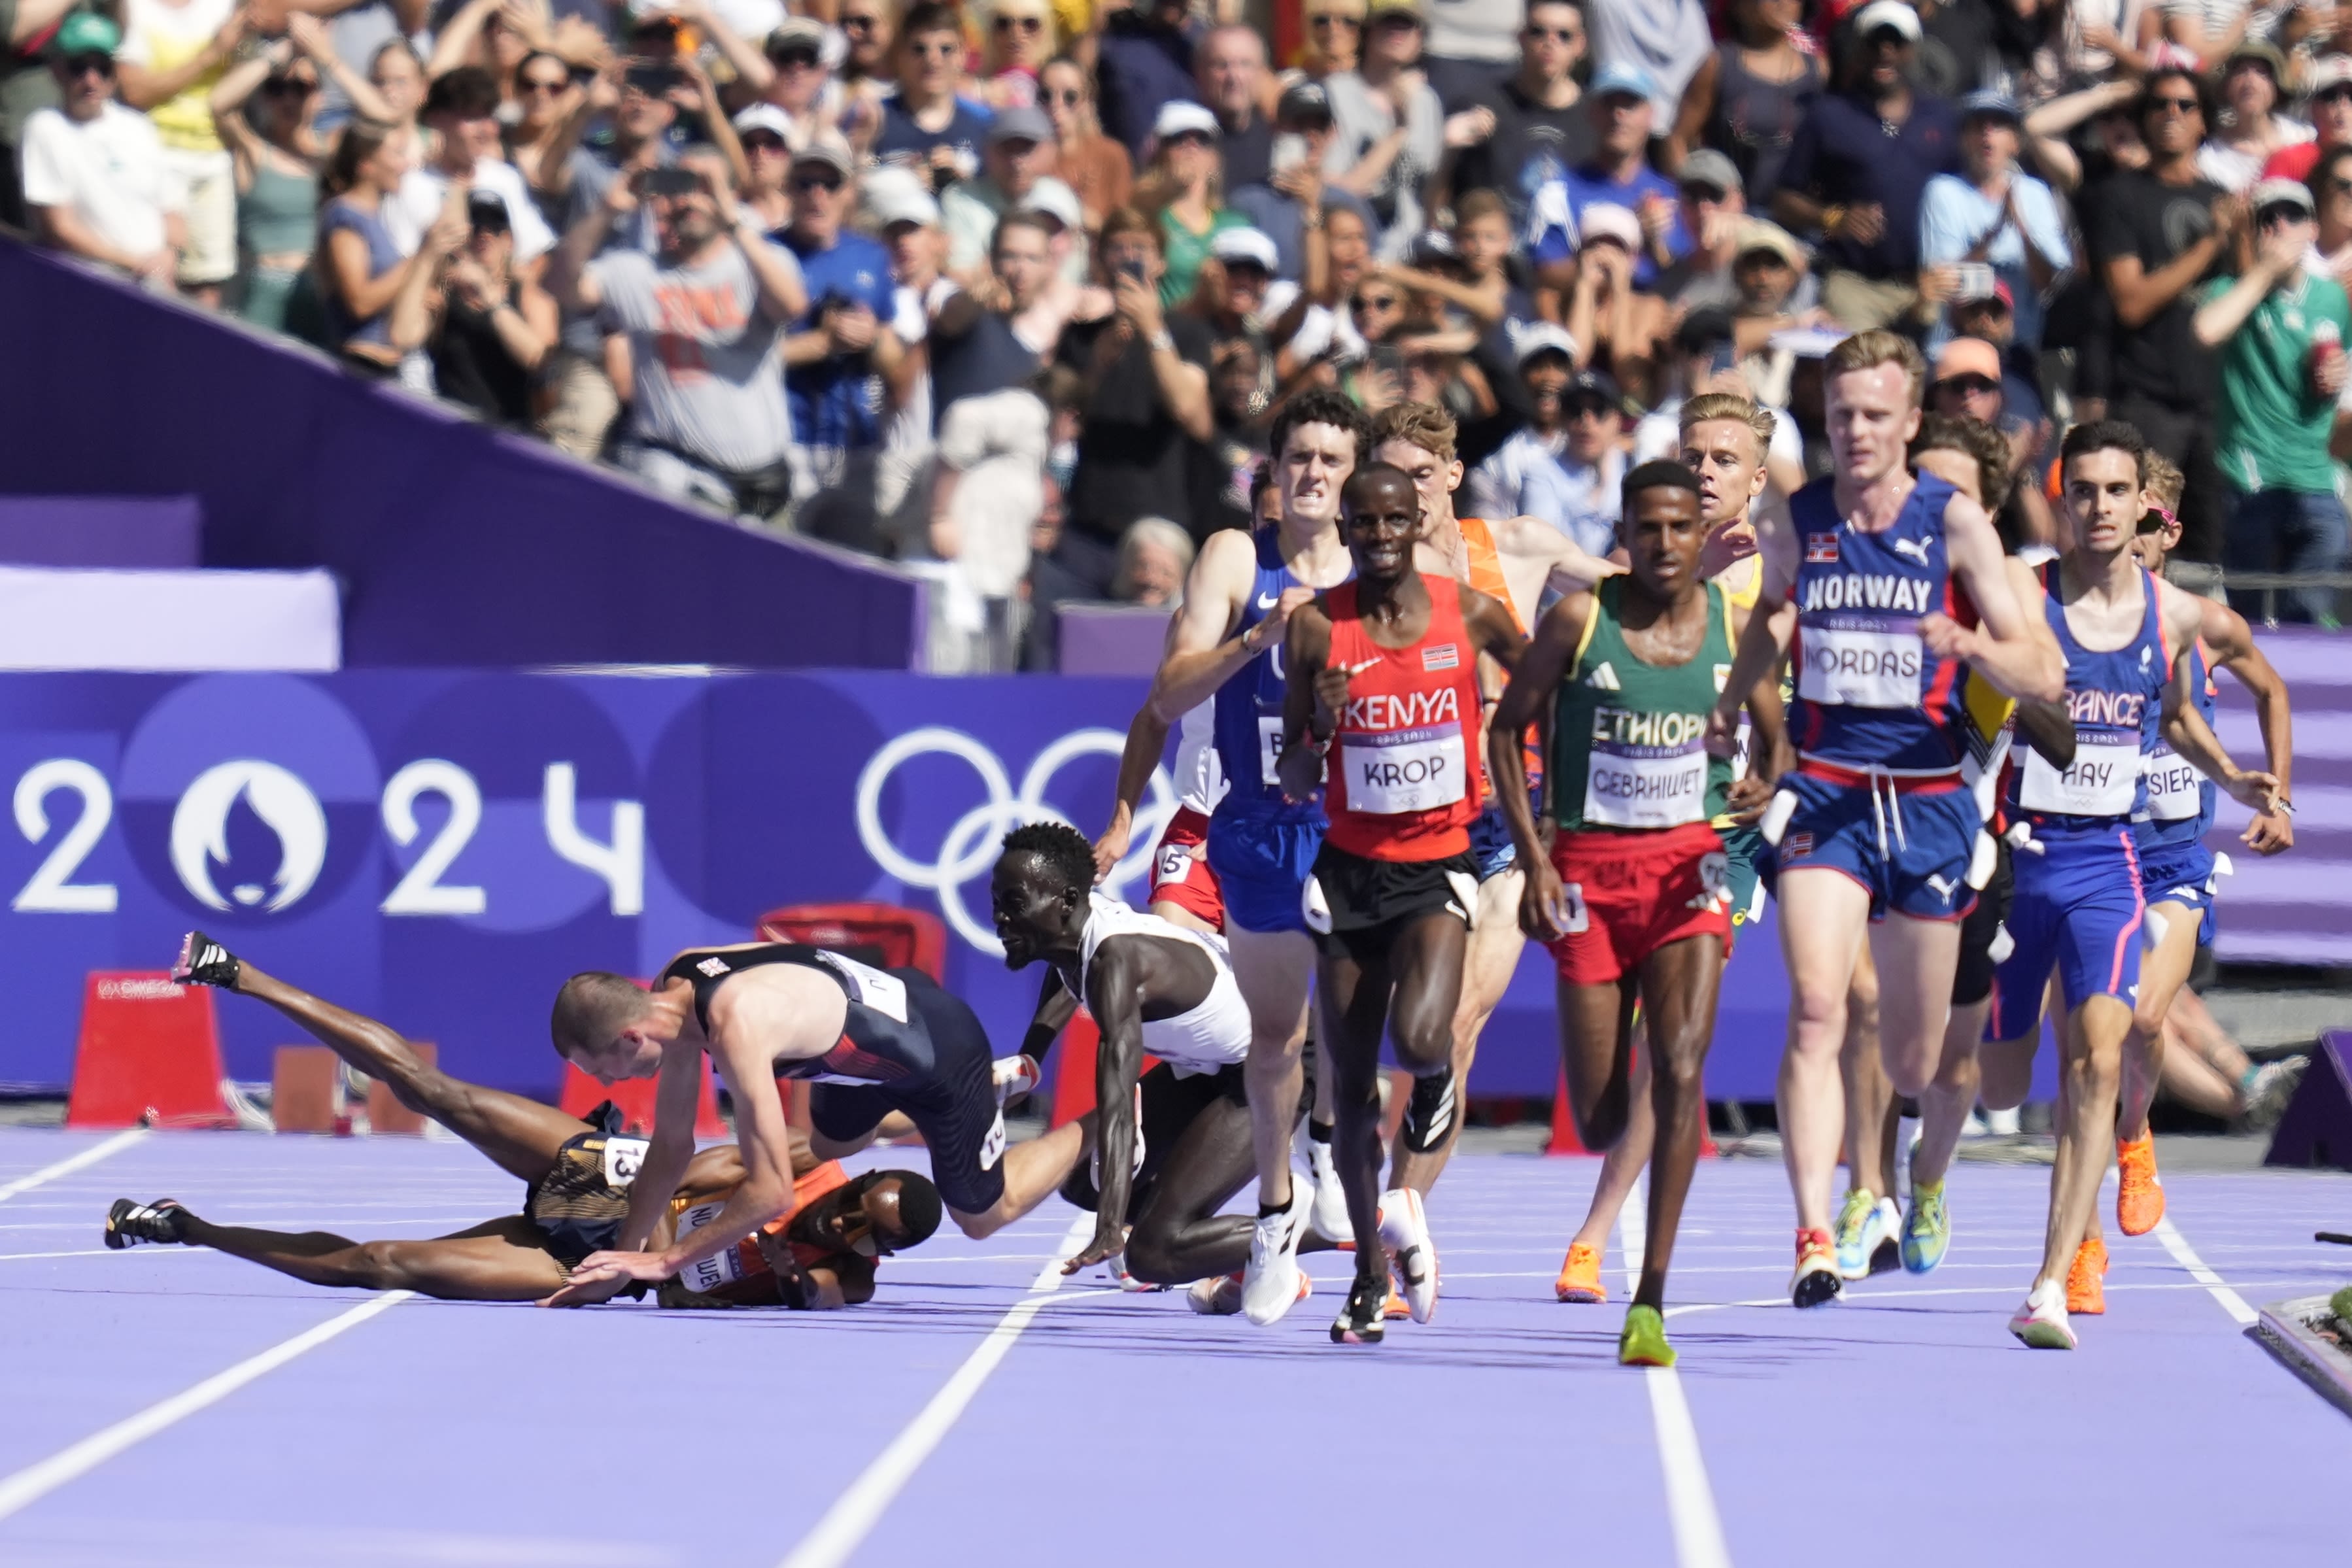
(705, 317)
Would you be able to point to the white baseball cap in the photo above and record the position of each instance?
(1056, 200)
(1542, 338)
(1892, 13)
(765, 117)
(1246, 245)
(1178, 115)
(894, 195)
(1607, 220)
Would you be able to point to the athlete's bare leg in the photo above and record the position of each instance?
(2163, 971)
(1823, 916)
(1492, 958)
(1276, 971)
(2091, 1066)
(1033, 1171)
(1916, 960)
(1621, 1166)
(2190, 1079)
(1680, 983)
(520, 1136)
(497, 1260)
(1944, 1104)
(1869, 1097)
(2005, 1070)
(1180, 1236)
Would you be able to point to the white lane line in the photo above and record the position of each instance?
(855, 1513)
(68, 1166)
(36, 1481)
(1690, 1499)
(2186, 1255)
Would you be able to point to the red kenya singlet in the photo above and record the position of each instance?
(1403, 781)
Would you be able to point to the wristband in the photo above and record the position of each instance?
(1163, 341)
(2284, 807)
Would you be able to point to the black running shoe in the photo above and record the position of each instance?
(1429, 1114)
(128, 1224)
(203, 961)
(1364, 1320)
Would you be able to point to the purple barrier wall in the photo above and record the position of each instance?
(164, 531)
(1111, 639)
(458, 545)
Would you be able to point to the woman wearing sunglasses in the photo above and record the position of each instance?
(266, 107)
(1096, 166)
(1019, 39)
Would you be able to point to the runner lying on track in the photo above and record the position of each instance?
(579, 1174)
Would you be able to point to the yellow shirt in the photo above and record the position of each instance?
(162, 37)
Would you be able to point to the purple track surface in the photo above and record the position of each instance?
(1126, 1429)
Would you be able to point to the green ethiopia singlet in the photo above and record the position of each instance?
(1628, 747)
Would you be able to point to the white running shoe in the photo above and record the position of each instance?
(1331, 1213)
(2041, 1323)
(1270, 1283)
(1413, 1256)
(1220, 1295)
(1014, 1077)
(1886, 1237)
(1115, 1267)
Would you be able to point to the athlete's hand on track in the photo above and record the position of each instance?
(1545, 911)
(1947, 638)
(1747, 799)
(2269, 833)
(1108, 1239)
(604, 1275)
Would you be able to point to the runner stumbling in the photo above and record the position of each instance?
(579, 1175)
(1897, 583)
(870, 1042)
(1158, 988)
(2129, 660)
(1634, 898)
(1226, 643)
(1382, 674)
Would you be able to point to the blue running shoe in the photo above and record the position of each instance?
(1927, 1229)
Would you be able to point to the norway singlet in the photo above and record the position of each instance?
(1404, 781)
(1628, 738)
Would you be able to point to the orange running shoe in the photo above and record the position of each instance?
(1817, 1279)
(2139, 1190)
(1396, 1307)
(1580, 1276)
(2086, 1290)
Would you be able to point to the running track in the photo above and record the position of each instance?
(1905, 1425)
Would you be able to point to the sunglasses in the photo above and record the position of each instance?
(2336, 94)
(2175, 106)
(828, 182)
(763, 142)
(2155, 520)
(1188, 139)
(1399, 22)
(2281, 212)
(1589, 410)
(290, 87)
(1969, 385)
(1700, 191)
(83, 65)
(1328, 20)
(1004, 24)
(534, 85)
(786, 59)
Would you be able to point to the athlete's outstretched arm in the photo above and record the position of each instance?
(1541, 668)
(668, 1152)
(1147, 738)
(2232, 642)
(1569, 565)
(2001, 645)
(2047, 727)
(1203, 651)
(1492, 628)
(2185, 729)
(1115, 996)
(1056, 1007)
(1768, 741)
(1305, 700)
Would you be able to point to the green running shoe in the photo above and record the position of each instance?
(1858, 1229)
(1927, 1229)
(1643, 1342)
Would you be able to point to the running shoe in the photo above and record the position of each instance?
(1016, 1077)
(1580, 1276)
(1361, 1321)
(1269, 1284)
(130, 1223)
(2087, 1288)
(1331, 1213)
(1404, 1232)
(2140, 1192)
(1642, 1341)
(2040, 1324)
(2273, 1086)
(1115, 1266)
(1430, 1113)
(1817, 1278)
(1857, 1233)
(1927, 1229)
(1220, 1295)
(203, 961)
(1886, 1226)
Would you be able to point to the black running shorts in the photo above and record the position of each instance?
(1972, 981)
(580, 1203)
(953, 1106)
(1357, 905)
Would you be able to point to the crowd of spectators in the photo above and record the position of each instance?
(1009, 291)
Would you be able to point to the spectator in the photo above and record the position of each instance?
(2209, 29)
(2328, 81)
(1236, 447)
(927, 126)
(977, 346)
(1748, 97)
(838, 355)
(552, 110)
(1971, 382)
(1056, 203)
(173, 53)
(1020, 41)
(1541, 129)
(1143, 62)
(495, 328)
(363, 37)
(1474, 45)
(907, 220)
(1235, 298)
(95, 179)
(391, 93)
(376, 300)
(1618, 175)
(1960, 48)
(1154, 554)
(704, 318)
(1471, 275)
(1665, 42)
(1184, 192)
(1713, 207)
(277, 157)
(1327, 336)
(764, 133)
(2331, 191)
(1996, 213)
(1146, 376)
(2281, 334)
(987, 497)
(789, 71)
(1048, 586)
(2252, 131)
(2105, 38)
(1090, 162)
(2158, 233)
(1233, 83)
(866, 37)
(1289, 206)
(1704, 361)
(1019, 150)
(1775, 293)
(1859, 166)
(1335, 40)
(1617, 322)
(1567, 465)
(462, 110)
(1390, 129)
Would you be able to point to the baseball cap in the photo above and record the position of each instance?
(2327, 71)
(1892, 13)
(1703, 329)
(828, 151)
(1593, 386)
(1991, 101)
(1618, 77)
(2256, 50)
(1710, 168)
(488, 209)
(1178, 115)
(1542, 338)
(899, 200)
(1761, 233)
(764, 117)
(1969, 356)
(1056, 201)
(2280, 193)
(1307, 101)
(85, 34)
(1379, 8)
(803, 31)
(1248, 245)
(1607, 220)
(1023, 123)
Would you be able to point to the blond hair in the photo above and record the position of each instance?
(1868, 350)
(2164, 480)
(1760, 422)
(1421, 425)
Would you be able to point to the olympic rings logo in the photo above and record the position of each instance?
(970, 848)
